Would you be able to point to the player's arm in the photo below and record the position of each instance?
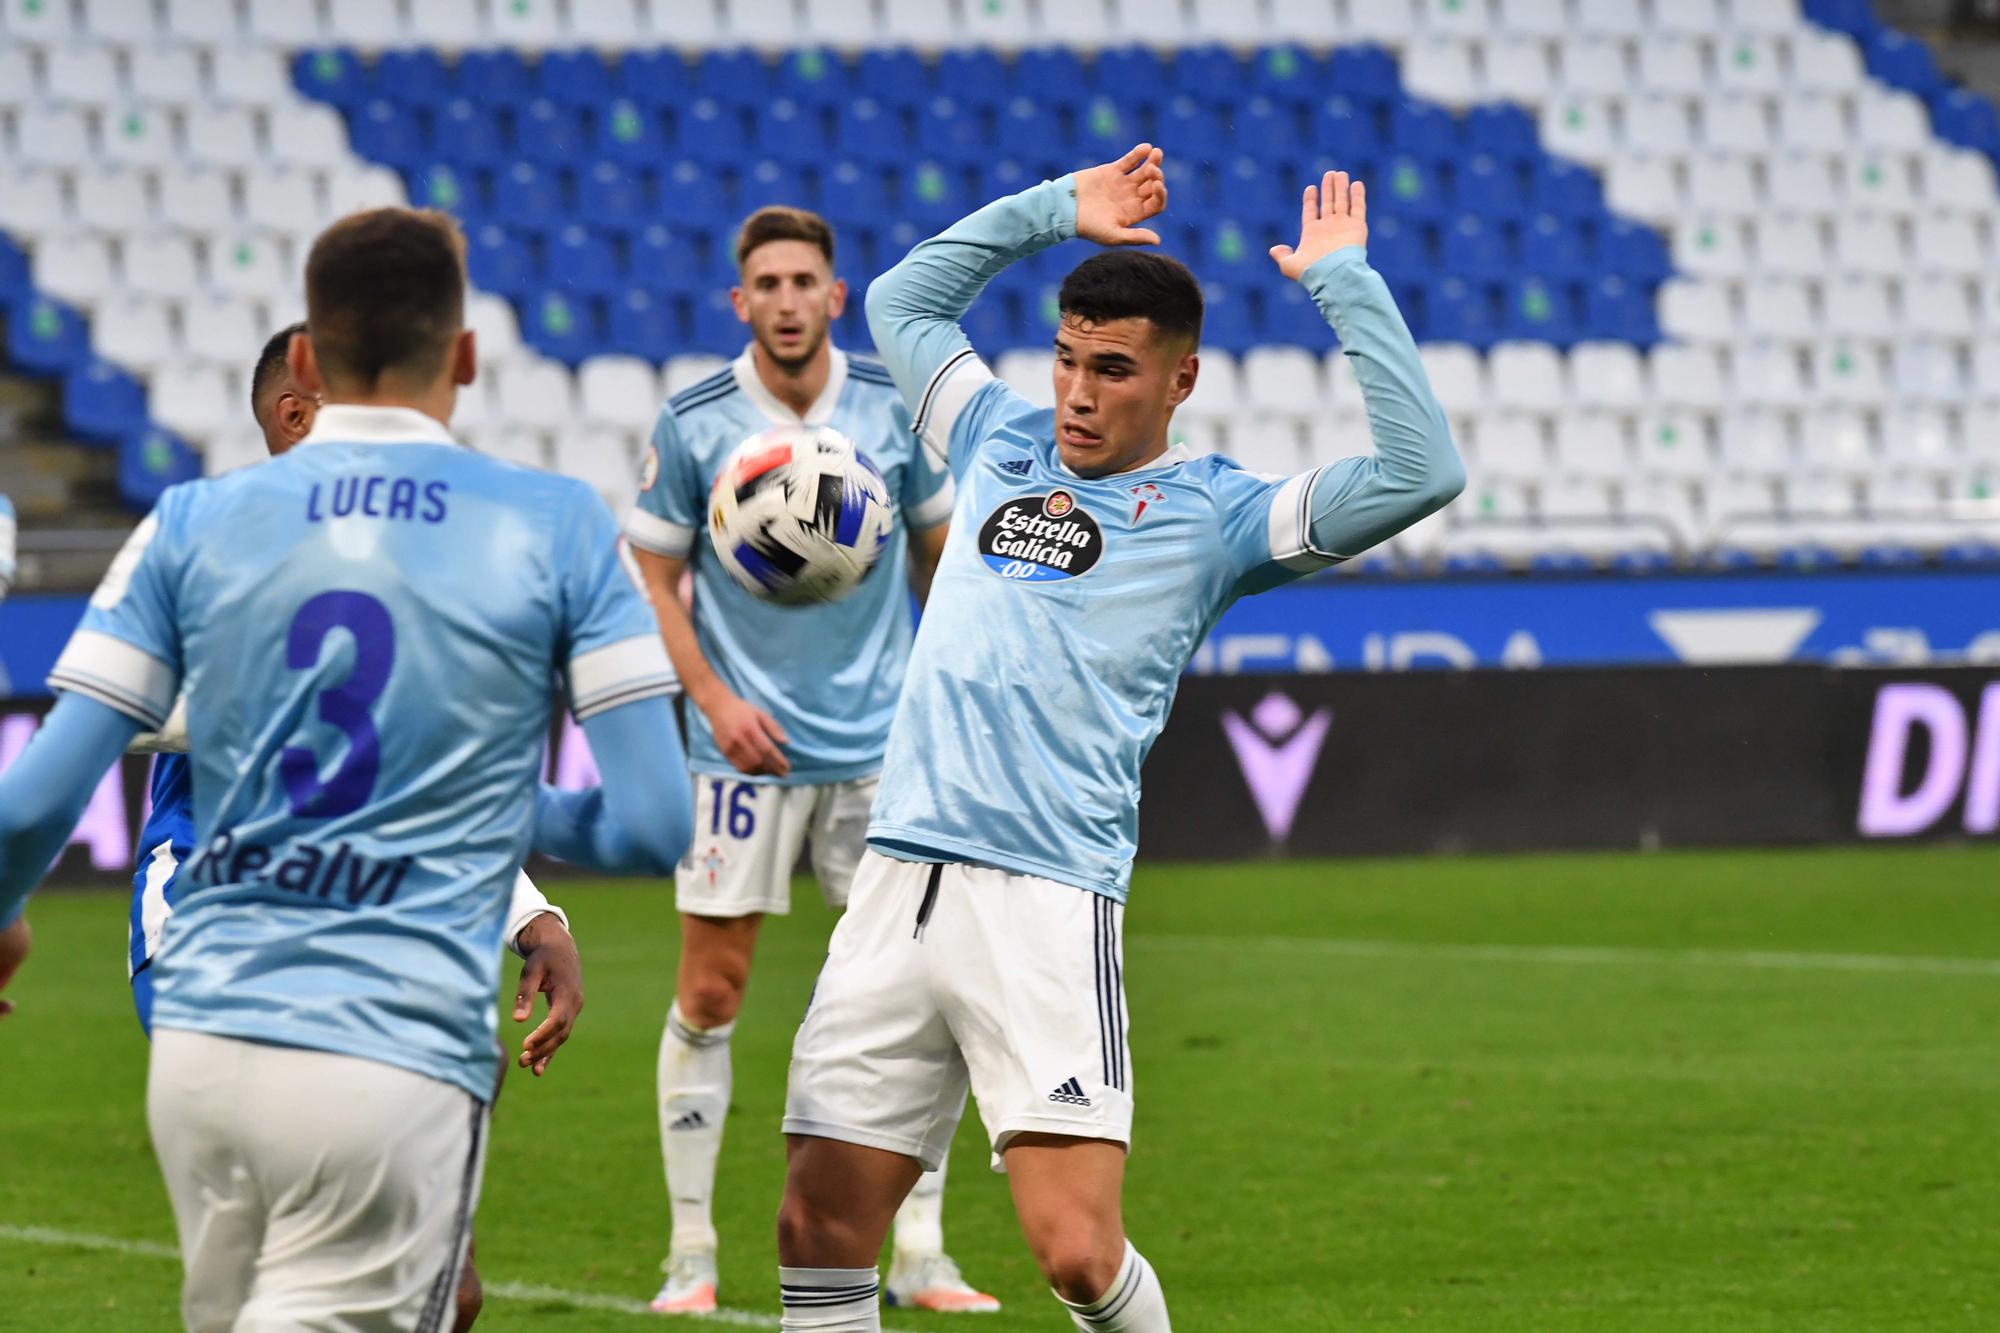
(171, 738)
(914, 308)
(538, 930)
(43, 792)
(6, 546)
(926, 549)
(1415, 469)
(748, 736)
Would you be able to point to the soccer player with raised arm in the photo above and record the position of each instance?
(791, 710)
(537, 929)
(371, 633)
(1087, 562)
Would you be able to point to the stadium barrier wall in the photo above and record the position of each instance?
(1348, 764)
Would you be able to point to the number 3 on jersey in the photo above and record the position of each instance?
(742, 805)
(345, 705)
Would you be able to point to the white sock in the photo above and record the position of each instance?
(831, 1300)
(1133, 1303)
(920, 1221)
(694, 1080)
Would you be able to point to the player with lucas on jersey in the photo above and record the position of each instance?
(1088, 561)
(790, 711)
(371, 633)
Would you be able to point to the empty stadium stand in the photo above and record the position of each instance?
(1700, 281)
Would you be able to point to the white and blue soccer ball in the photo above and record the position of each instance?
(798, 514)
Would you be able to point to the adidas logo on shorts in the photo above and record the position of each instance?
(1070, 1093)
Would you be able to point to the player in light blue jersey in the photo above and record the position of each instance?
(371, 633)
(1087, 562)
(14, 935)
(791, 710)
(6, 546)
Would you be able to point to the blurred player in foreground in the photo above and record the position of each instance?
(368, 630)
(1087, 562)
(791, 712)
(536, 929)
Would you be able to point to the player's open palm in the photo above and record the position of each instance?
(1112, 200)
(1334, 213)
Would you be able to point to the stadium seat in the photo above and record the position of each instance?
(81, 75)
(194, 401)
(620, 392)
(1527, 376)
(114, 200)
(76, 269)
(135, 332)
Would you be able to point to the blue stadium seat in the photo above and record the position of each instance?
(695, 193)
(1132, 76)
(1412, 186)
(1807, 556)
(1566, 189)
(527, 197)
(656, 78)
(1424, 130)
(1555, 248)
(15, 282)
(715, 328)
(671, 259)
(1642, 562)
(1191, 192)
(1050, 75)
(1265, 128)
(562, 326)
(1475, 247)
(581, 260)
(413, 77)
(1494, 186)
(46, 337)
(102, 403)
(332, 74)
(992, 327)
(952, 133)
(711, 131)
(1228, 322)
(1633, 250)
(1967, 119)
(628, 131)
(464, 131)
(1233, 252)
(870, 131)
(1972, 551)
(1903, 62)
(575, 77)
(612, 194)
(1458, 311)
(974, 77)
(1472, 562)
(493, 78)
(1345, 126)
(1560, 562)
(1106, 127)
(768, 181)
(549, 133)
(641, 324)
(1364, 72)
(1193, 130)
(1027, 126)
(793, 131)
(895, 76)
(851, 191)
(1397, 247)
(384, 132)
(502, 262)
(1891, 555)
(815, 76)
(1213, 69)
(1854, 17)
(1503, 130)
(1288, 74)
(149, 461)
(443, 186)
(1291, 317)
(934, 195)
(739, 78)
(1541, 311)
(1620, 310)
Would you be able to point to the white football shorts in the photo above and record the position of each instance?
(748, 836)
(312, 1190)
(943, 974)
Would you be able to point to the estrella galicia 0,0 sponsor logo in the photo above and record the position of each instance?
(1035, 538)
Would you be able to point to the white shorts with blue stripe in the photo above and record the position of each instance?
(940, 976)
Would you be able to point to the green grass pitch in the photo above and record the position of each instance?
(1679, 1092)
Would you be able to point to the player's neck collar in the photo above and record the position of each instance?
(1175, 455)
(752, 384)
(353, 423)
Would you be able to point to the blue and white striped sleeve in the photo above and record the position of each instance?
(126, 652)
(669, 512)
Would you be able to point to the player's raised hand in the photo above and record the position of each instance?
(748, 736)
(1334, 213)
(1112, 200)
(552, 966)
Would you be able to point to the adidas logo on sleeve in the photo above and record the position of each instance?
(1070, 1093)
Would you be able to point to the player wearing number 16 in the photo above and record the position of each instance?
(366, 631)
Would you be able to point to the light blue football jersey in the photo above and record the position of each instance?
(372, 632)
(6, 545)
(1065, 609)
(828, 673)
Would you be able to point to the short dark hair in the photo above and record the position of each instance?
(1134, 284)
(385, 294)
(780, 223)
(271, 361)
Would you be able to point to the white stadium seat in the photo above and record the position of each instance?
(1927, 371)
(1270, 444)
(223, 137)
(1457, 18)
(1892, 120)
(167, 74)
(1594, 66)
(163, 266)
(495, 332)
(1803, 181)
(1009, 25)
(763, 23)
(1764, 16)
(1877, 181)
(684, 372)
(1218, 389)
(833, 23)
(349, 190)
(1921, 439)
(1578, 127)
(1593, 444)
(537, 395)
(447, 25)
(1441, 70)
(1748, 62)
(1959, 178)
(1712, 247)
(229, 450)
(1673, 443)
(1607, 375)
(1858, 307)
(1770, 374)
(378, 24)
(1527, 376)
(1532, 18)
(1939, 305)
(621, 392)
(52, 136)
(1282, 379)
(248, 264)
(135, 332)
(255, 76)
(1644, 187)
(1778, 308)
(1825, 61)
(278, 22)
(285, 200)
(1673, 64)
(194, 401)
(32, 204)
(115, 199)
(1736, 124)
(1511, 446)
(1948, 243)
(81, 74)
(127, 22)
(207, 21)
(224, 330)
(1725, 187)
(1814, 122)
(1391, 24)
(1847, 372)
(1518, 69)
(603, 458)
(1458, 376)
(1790, 245)
(1570, 498)
(197, 199)
(673, 21)
(1868, 244)
(1838, 440)
(1757, 442)
(1696, 309)
(1685, 376)
(76, 269)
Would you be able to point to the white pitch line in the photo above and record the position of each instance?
(1590, 955)
(507, 1291)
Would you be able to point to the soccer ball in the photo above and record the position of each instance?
(798, 514)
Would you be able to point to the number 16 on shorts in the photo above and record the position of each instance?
(748, 837)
